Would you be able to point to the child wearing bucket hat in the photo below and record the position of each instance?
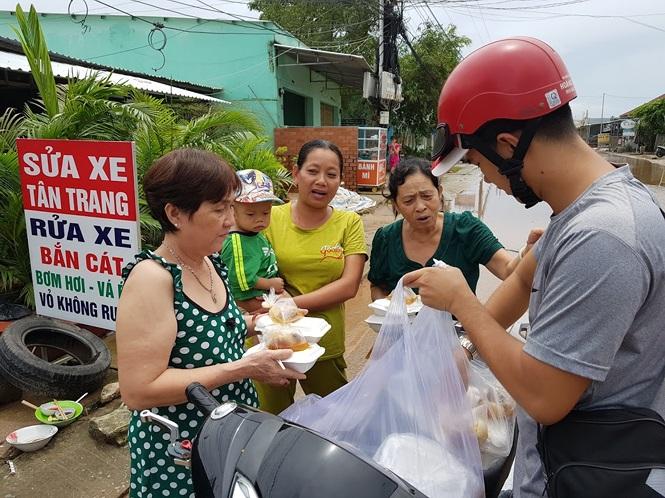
(246, 251)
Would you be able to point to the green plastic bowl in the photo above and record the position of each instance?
(44, 419)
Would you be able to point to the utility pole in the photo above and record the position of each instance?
(390, 24)
(602, 113)
(379, 60)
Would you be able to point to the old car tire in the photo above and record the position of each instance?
(29, 372)
(8, 392)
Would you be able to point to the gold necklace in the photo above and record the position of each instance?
(191, 270)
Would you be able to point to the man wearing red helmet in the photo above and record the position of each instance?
(594, 283)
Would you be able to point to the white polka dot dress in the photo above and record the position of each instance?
(203, 338)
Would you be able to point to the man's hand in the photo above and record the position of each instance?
(440, 288)
(532, 238)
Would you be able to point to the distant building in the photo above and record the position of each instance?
(17, 87)
(255, 65)
(590, 128)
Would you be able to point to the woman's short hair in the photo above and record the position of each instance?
(407, 167)
(186, 178)
(319, 144)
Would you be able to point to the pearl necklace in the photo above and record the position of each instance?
(191, 270)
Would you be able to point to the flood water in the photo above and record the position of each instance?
(508, 219)
(645, 170)
(511, 222)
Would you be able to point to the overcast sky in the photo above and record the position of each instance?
(611, 47)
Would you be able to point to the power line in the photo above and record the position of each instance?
(240, 17)
(160, 27)
(173, 28)
(116, 53)
(489, 37)
(477, 4)
(613, 96)
(547, 15)
(249, 26)
(405, 37)
(444, 31)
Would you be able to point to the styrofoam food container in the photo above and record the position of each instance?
(32, 437)
(380, 307)
(374, 322)
(312, 328)
(300, 361)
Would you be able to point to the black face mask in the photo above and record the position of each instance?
(510, 168)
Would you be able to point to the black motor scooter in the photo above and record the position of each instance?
(660, 151)
(242, 452)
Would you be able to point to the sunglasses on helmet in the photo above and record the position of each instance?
(447, 149)
(443, 141)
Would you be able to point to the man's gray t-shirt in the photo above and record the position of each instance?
(597, 306)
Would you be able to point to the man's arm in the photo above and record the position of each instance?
(511, 299)
(545, 392)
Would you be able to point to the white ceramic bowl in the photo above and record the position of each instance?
(312, 328)
(32, 438)
(300, 361)
(380, 307)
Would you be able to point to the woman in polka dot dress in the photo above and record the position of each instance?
(177, 323)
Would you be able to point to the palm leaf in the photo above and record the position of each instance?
(246, 151)
(14, 255)
(34, 47)
(11, 124)
(9, 176)
(216, 125)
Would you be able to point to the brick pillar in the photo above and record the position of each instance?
(345, 137)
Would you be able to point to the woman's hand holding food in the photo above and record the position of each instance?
(263, 366)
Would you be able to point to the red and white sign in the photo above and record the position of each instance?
(82, 219)
(371, 173)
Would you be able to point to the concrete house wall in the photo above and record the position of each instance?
(236, 56)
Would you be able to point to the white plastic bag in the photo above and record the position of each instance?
(408, 408)
(493, 414)
(437, 472)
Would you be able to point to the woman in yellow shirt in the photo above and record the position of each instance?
(321, 253)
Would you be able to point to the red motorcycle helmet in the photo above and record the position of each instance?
(516, 78)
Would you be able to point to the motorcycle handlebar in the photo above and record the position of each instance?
(201, 397)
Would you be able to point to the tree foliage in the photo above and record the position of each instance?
(340, 26)
(438, 52)
(652, 121)
(347, 26)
